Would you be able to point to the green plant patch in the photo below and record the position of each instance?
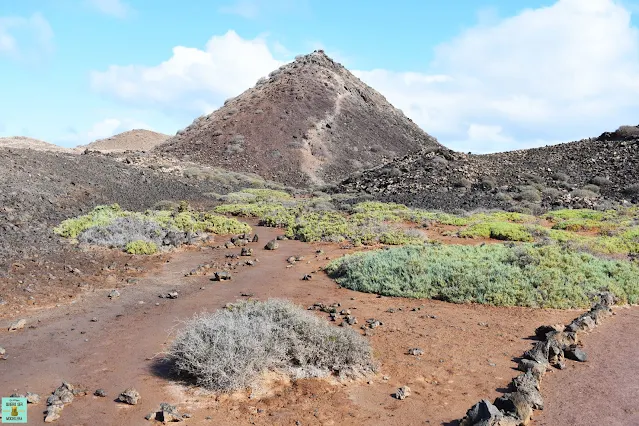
(141, 247)
(505, 231)
(100, 215)
(495, 274)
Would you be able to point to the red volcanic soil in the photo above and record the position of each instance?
(468, 349)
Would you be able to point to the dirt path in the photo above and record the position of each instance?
(468, 349)
(604, 390)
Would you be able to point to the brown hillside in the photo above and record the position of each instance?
(23, 142)
(133, 140)
(310, 121)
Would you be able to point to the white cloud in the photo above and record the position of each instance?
(556, 73)
(191, 79)
(115, 8)
(100, 130)
(563, 72)
(25, 39)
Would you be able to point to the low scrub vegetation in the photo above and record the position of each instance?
(144, 233)
(497, 274)
(317, 218)
(231, 349)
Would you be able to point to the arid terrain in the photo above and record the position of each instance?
(495, 289)
(132, 140)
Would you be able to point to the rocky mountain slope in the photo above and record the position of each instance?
(39, 189)
(310, 121)
(133, 140)
(586, 173)
(30, 143)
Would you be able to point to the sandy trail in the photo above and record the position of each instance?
(469, 349)
(604, 390)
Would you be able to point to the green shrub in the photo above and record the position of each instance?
(497, 230)
(141, 247)
(100, 215)
(494, 274)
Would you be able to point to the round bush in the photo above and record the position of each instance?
(230, 349)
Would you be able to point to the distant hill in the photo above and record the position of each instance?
(24, 142)
(132, 140)
(587, 173)
(310, 122)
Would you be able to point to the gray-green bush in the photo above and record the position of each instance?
(230, 349)
(508, 275)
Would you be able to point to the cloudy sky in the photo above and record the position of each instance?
(480, 75)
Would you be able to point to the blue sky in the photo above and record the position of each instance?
(480, 76)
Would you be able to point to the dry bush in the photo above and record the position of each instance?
(230, 349)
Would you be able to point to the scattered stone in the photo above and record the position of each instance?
(372, 323)
(272, 245)
(282, 237)
(484, 412)
(94, 319)
(291, 260)
(246, 251)
(100, 392)
(17, 325)
(576, 354)
(517, 405)
(32, 398)
(167, 413)
(229, 245)
(402, 393)
(172, 295)
(129, 396)
(53, 413)
(2, 351)
(114, 294)
(241, 242)
(415, 352)
(62, 395)
(528, 385)
(256, 238)
(221, 276)
(307, 277)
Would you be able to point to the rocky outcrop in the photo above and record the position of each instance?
(555, 345)
(582, 174)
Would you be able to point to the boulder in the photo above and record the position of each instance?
(402, 393)
(129, 396)
(17, 325)
(576, 354)
(528, 385)
(517, 405)
(272, 245)
(482, 411)
(53, 413)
